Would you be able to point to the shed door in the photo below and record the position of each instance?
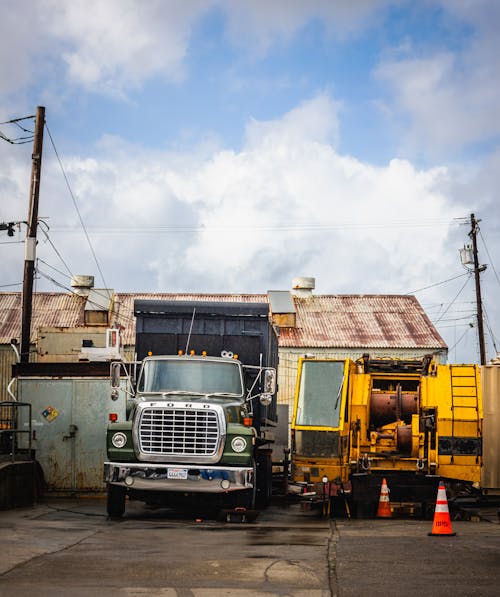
(70, 418)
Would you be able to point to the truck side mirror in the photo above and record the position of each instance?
(269, 381)
(115, 375)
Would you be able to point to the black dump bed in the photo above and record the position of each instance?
(244, 329)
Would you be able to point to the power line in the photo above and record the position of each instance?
(76, 206)
(438, 283)
(14, 120)
(9, 285)
(271, 228)
(461, 338)
(45, 232)
(21, 139)
(449, 306)
(492, 335)
(489, 257)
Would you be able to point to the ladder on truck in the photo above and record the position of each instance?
(464, 398)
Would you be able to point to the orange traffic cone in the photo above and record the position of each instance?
(442, 523)
(384, 505)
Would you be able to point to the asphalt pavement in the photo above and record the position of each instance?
(69, 547)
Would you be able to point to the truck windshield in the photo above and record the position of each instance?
(186, 375)
(320, 393)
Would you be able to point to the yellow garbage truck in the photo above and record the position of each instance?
(412, 422)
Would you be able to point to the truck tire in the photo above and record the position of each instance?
(115, 503)
(264, 478)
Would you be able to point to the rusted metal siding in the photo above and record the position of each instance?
(490, 380)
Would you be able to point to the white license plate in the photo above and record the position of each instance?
(177, 473)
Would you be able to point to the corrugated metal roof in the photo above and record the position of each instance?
(370, 321)
(367, 321)
(50, 309)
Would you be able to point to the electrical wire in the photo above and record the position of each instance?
(450, 305)
(45, 232)
(287, 228)
(490, 330)
(15, 120)
(461, 338)
(76, 205)
(489, 257)
(437, 284)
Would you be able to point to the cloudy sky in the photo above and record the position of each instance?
(229, 146)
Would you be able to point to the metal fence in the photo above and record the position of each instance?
(15, 431)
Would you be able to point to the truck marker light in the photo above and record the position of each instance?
(113, 417)
(150, 353)
(235, 356)
(204, 353)
(191, 353)
(247, 421)
(180, 352)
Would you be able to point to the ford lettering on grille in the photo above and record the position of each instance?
(179, 432)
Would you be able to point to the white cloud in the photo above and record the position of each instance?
(113, 46)
(448, 100)
(286, 203)
(258, 24)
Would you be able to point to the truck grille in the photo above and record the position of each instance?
(179, 432)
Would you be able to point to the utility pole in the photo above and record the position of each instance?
(477, 270)
(30, 243)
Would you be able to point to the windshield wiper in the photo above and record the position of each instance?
(182, 392)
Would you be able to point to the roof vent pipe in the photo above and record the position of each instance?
(303, 286)
(82, 284)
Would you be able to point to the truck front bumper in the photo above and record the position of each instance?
(167, 477)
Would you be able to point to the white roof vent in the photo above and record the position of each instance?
(303, 286)
(82, 284)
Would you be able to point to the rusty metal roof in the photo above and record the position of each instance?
(327, 321)
(50, 309)
(368, 321)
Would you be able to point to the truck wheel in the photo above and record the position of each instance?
(115, 503)
(246, 499)
(264, 478)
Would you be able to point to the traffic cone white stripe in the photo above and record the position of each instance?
(441, 508)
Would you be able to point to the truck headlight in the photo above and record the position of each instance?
(238, 444)
(119, 440)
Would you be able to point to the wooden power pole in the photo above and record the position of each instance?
(30, 243)
(477, 270)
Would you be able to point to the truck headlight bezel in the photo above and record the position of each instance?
(239, 444)
(119, 440)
